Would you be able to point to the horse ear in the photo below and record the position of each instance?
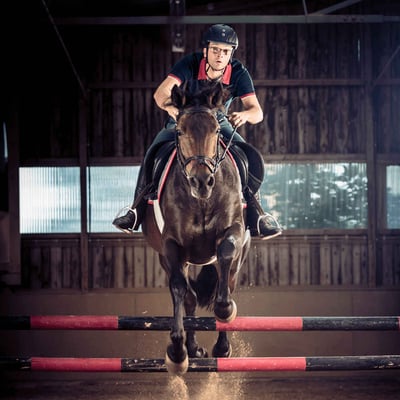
(178, 97)
(217, 96)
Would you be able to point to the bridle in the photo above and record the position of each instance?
(211, 163)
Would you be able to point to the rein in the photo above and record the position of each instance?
(211, 163)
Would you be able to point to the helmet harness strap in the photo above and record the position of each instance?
(208, 65)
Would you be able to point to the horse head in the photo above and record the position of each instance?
(198, 133)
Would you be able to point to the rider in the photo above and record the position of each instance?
(214, 63)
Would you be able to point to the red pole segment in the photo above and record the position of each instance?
(261, 364)
(106, 322)
(262, 324)
(76, 364)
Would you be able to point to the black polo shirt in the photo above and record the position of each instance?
(236, 77)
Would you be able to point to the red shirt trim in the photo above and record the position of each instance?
(177, 78)
(202, 75)
(247, 95)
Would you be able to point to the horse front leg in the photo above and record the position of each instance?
(176, 359)
(228, 254)
(225, 308)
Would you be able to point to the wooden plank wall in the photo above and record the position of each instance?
(309, 79)
(290, 261)
(299, 120)
(311, 83)
(51, 263)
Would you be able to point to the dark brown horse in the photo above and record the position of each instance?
(201, 204)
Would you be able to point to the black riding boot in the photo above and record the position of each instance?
(260, 223)
(251, 168)
(145, 186)
(133, 218)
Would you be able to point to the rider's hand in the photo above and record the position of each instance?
(237, 119)
(172, 111)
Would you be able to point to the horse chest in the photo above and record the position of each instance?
(197, 224)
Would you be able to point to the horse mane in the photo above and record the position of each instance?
(195, 93)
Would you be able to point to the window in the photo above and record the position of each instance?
(50, 200)
(393, 196)
(109, 190)
(316, 196)
(302, 196)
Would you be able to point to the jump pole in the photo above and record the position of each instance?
(246, 364)
(110, 322)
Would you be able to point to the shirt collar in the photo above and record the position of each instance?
(202, 75)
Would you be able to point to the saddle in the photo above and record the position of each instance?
(248, 160)
(161, 157)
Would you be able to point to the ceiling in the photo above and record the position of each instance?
(118, 8)
(21, 14)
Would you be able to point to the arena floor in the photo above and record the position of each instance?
(212, 386)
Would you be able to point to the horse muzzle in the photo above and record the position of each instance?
(201, 183)
(200, 173)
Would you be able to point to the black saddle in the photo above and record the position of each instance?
(248, 160)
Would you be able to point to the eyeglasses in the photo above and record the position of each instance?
(218, 50)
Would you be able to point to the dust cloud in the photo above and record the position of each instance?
(215, 385)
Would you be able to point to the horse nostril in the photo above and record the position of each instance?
(211, 181)
(193, 181)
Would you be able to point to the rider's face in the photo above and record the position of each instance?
(218, 55)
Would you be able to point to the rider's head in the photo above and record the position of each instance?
(220, 40)
(221, 33)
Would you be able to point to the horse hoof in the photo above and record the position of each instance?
(230, 317)
(176, 368)
(198, 352)
(218, 353)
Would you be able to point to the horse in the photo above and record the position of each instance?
(204, 224)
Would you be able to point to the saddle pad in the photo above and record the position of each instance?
(156, 202)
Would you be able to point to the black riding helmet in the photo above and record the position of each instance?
(221, 33)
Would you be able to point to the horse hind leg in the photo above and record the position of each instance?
(222, 347)
(193, 348)
(201, 293)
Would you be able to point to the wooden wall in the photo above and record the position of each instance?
(295, 260)
(311, 80)
(317, 84)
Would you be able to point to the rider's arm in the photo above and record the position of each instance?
(162, 95)
(252, 112)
